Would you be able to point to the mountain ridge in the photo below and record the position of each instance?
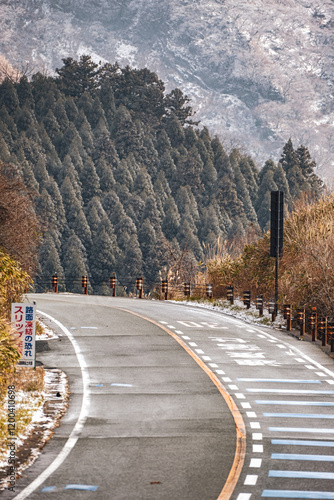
(257, 73)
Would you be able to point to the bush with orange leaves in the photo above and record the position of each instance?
(19, 226)
(306, 269)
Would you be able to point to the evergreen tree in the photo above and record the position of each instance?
(8, 97)
(251, 176)
(175, 106)
(41, 174)
(171, 221)
(112, 207)
(135, 208)
(104, 171)
(108, 102)
(151, 212)
(175, 131)
(132, 264)
(90, 181)
(125, 134)
(4, 151)
(282, 184)
(25, 120)
(8, 120)
(49, 264)
(308, 166)
(147, 241)
(103, 259)
(77, 77)
(24, 93)
(53, 190)
(75, 263)
(209, 229)
(243, 195)
(68, 170)
(290, 164)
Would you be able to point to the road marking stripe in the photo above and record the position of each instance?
(251, 479)
(314, 495)
(302, 442)
(115, 384)
(257, 436)
(301, 429)
(298, 415)
(246, 405)
(290, 391)
(297, 456)
(240, 452)
(257, 448)
(74, 436)
(293, 403)
(299, 474)
(86, 487)
(255, 462)
(283, 381)
(251, 414)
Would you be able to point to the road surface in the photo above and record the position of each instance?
(169, 401)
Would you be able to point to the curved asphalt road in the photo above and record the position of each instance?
(159, 428)
(156, 426)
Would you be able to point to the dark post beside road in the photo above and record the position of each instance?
(276, 234)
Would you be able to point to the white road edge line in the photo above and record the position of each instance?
(74, 436)
(307, 358)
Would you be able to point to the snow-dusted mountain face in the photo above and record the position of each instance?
(257, 71)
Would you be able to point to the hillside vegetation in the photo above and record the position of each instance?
(258, 72)
(306, 270)
(123, 180)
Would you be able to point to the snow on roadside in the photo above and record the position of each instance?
(46, 408)
(237, 310)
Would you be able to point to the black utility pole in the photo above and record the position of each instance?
(276, 234)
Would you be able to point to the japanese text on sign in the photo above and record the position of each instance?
(24, 322)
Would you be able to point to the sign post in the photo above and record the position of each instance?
(24, 322)
(276, 234)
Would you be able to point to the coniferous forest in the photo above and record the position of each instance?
(124, 180)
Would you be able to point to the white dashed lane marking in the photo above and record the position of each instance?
(246, 352)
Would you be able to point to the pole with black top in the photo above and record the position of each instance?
(139, 286)
(259, 304)
(84, 282)
(55, 282)
(113, 284)
(230, 295)
(287, 316)
(164, 288)
(276, 234)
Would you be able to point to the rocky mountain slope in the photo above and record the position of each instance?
(257, 72)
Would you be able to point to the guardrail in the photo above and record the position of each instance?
(307, 320)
